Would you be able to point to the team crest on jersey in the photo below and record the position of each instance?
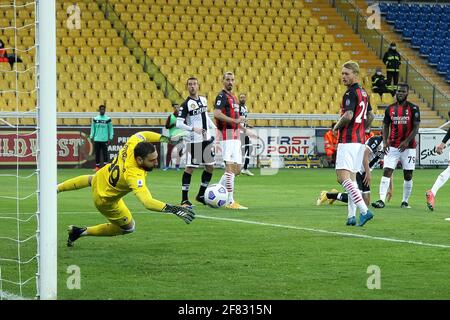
(140, 183)
(347, 102)
(193, 105)
(363, 93)
(218, 102)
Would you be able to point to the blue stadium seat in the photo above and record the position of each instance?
(446, 47)
(432, 24)
(419, 32)
(448, 75)
(416, 41)
(433, 58)
(404, 10)
(399, 25)
(445, 17)
(391, 16)
(427, 41)
(446, 11)
(436, 9)
(442, 67)
(444, 25)
(413, 17)
(408, 33)
(421, 24)
(414, 8)
(425, 9)
(424, 49)
(384, 7)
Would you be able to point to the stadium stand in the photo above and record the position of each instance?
(281, 54)
(286, 55)
(427, 26)
(93, 67)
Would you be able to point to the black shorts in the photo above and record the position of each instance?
(361, 185)
(200, 153)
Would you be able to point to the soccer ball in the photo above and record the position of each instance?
(216, 195)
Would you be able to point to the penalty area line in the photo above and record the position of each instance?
(345, 234)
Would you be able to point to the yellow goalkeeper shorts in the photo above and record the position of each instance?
(115, 211)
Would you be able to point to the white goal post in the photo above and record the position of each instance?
(47, 157)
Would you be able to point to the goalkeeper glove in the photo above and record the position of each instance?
(184, 213)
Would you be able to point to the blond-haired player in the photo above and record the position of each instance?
(111, 183)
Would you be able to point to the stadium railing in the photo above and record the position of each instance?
(379, 44)
(163, 115)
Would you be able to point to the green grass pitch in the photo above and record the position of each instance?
(283, 247)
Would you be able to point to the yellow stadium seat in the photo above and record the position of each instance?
(318, 38)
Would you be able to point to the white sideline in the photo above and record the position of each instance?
(345, 234)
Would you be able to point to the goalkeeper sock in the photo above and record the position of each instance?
(206, 178)
(186, 180)
(76, 183)
(103, 230)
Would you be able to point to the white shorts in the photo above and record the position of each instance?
(407, 159)
(231, 151)
(350, 156)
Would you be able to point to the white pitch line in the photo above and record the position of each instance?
(345, 234)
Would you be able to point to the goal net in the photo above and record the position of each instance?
(27, 179)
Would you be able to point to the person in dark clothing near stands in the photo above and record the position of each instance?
(392, 60)
(102, 132)
(379, 83)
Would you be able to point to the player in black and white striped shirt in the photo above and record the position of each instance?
(243, 112)
(193, 117)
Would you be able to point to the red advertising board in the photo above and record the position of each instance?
(74, 148)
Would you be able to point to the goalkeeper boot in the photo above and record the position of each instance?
(363, 218)
(186, 204)
(322, 198)
(331, 201)
(430, 200)
(351, 221)
(74, 233)
(235, 206)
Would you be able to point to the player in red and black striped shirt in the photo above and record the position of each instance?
(228, 121)
(356, 116)
(400, 127)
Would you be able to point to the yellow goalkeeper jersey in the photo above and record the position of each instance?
(123, 175)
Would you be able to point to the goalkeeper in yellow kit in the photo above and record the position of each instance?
(112, 182)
